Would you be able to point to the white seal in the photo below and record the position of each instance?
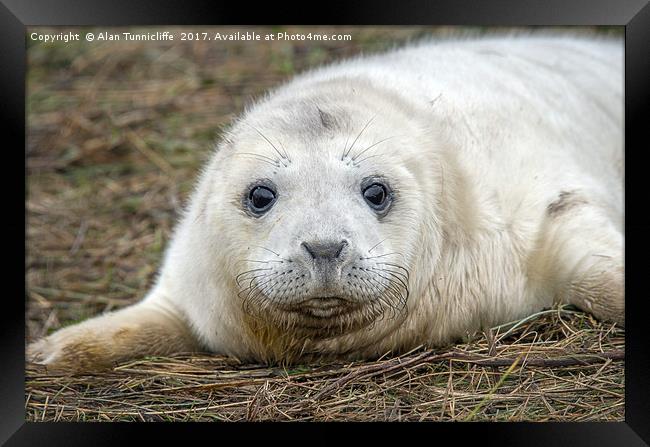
(391, 201)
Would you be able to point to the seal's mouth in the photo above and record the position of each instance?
(325, 302)
(323, 307)
(320, 317)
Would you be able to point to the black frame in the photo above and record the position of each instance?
(15, 15)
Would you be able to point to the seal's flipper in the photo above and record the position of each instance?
(582, 254)
(143, 329)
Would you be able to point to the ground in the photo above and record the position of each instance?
(116, 134)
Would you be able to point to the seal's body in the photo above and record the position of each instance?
(391, 201)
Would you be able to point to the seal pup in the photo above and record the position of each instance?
(392, 201)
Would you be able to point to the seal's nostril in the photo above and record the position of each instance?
(324, 250)
(305, 245)
(341, 247)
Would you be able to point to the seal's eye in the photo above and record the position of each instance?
(260, 199)
(376, 196)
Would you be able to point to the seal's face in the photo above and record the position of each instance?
(319, 217)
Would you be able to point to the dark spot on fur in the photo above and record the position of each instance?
(434, 100)
(327, 120)
(309, 119)
(566, 200)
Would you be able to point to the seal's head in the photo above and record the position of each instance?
(320, 211)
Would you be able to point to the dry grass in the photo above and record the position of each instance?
(558, 366)
(116, 134)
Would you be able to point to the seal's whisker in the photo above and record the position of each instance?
(260, 285)
(379, 292)
(260, 159)
(394, 253)
(256, 277)
(377, 244)
(272, 161)
(389, 287)
(397, 275)
(284, 291)
(239, 281)
(370, 147)
(271, 251)
(395, 284)
(250, 284)
(264, 288)
(286, 154)
(269, 141)
(263, 262)
(254, 308)
(250, 271)
(391, 292)
(355, 140)
(406, 272)
(345, 147)
(394, 275)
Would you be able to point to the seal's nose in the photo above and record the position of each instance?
(325, 250)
